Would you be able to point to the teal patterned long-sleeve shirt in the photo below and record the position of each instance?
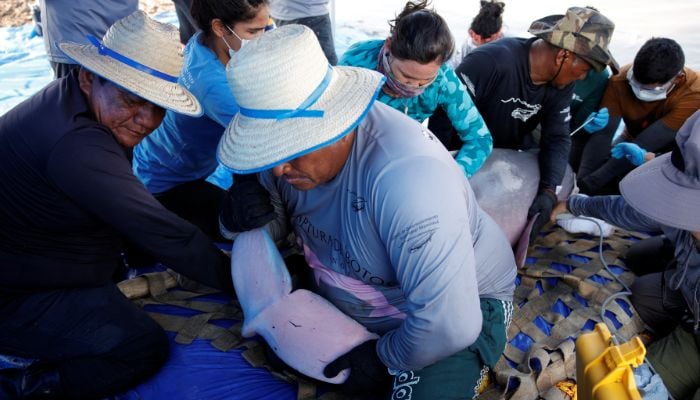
(447, 92)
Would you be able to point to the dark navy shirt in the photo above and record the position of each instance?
(498, 78)
(68, 196)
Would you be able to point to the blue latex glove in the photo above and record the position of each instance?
(632, 152)
(599, 121)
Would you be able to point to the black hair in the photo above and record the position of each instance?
(659, 60)
(228, 11)
(420, 34)
(489, 20)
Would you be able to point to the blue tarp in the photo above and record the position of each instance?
(200, 371)
(24, 68)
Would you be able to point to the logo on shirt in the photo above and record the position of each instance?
(416, 236)
(421, 241)
(358, 203)
(566, 111)
(403, 385)
(523, 110)
(339, 257)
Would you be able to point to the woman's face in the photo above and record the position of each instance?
(413, 73)
(247, 30)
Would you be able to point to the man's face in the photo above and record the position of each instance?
(318, 167)
(129, 117)
(573, 69)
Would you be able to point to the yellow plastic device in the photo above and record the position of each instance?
(603, 370)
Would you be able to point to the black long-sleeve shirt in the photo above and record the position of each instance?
(68, 197)
(498, 78)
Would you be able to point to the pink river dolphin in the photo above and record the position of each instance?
(305, 330)
(505, 187)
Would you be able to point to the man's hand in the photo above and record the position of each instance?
(560, 208)
(599, 121)
(246, 205)
(632, 152)
(367, 372)
(542, 205)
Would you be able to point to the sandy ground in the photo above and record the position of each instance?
(17, 12)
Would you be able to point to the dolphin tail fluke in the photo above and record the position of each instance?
(308, 332)
(305, 330)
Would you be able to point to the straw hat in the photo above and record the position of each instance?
(142, 56)
(667, 188)
(583, 31)
(291, 100)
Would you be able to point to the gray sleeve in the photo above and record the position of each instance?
(424, 223)
(72, 21)
(612, 209)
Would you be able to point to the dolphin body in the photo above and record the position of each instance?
(505, 187)
(305, 330)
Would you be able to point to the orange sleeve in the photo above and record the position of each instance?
(683, 104)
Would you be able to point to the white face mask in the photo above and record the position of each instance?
(231, 51)
(647, 94)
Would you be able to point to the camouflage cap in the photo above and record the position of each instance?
(583, 31)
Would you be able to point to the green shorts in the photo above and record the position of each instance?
(460, 375)
(676, 358)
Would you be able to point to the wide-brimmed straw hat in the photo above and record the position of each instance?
(667, 188)
(142, 56)
(291, 100)
(583, 31)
